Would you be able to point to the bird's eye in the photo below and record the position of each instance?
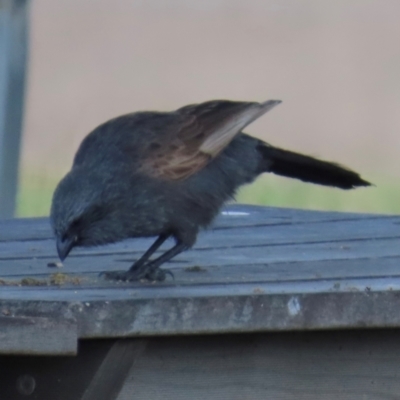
(75, 238)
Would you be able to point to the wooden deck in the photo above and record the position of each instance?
(257, 270)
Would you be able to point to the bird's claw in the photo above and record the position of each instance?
(115, 275)
(159, 275)
(143, 273)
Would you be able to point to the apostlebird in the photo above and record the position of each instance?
(167, 174)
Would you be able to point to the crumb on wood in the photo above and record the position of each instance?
(195, 268)
(9, 282)
(55, 264)
(57, 279)
(258, 290)
(62, 279)
(33, 282)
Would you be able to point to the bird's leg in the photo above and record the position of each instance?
(152, 249)
(122, 275)
(150, 270)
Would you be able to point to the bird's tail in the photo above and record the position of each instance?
(308, 169)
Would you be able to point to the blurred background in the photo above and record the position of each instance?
(335, 65)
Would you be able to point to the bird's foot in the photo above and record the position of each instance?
(158, 274)
(145, 272)
(115, 275)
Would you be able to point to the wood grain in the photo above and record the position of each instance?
(301, 366)
(257, 269)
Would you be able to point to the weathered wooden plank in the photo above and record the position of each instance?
(24, 229)
(233, 216)
(270, 235)
(128, 312)
(221, 270)
(216, 259)
(13, 54)
(328, 366)
(319, 272)
(238, 263)
(37, 335)
(242, 215)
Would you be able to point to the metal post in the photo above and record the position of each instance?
(13, 56)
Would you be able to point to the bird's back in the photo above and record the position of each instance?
(125, 139)
(122, 146)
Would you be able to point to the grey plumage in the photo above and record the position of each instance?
(168, 174)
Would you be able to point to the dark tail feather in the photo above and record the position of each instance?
(308, 169)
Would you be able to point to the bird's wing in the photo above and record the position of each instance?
(203, 132)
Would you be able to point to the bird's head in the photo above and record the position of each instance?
(78, 211)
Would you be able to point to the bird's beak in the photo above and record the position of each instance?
(64, 247)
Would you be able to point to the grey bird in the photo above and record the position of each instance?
(167, 174)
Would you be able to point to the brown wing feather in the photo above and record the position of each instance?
(203, 132)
